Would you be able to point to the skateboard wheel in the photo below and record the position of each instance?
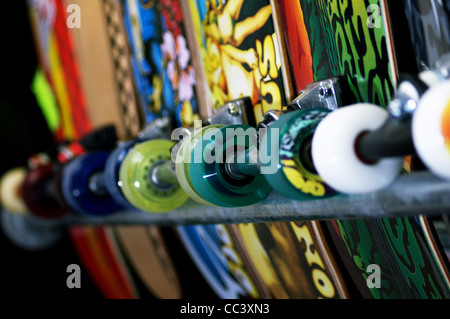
(38, 193)
(334, 154)
(112, 169)
(138, 186)
(208, 173)
(296, 176)
(28, 232)
(183, 160)
(57, 188)
(431, 129)
(10, 190)
(78, 186)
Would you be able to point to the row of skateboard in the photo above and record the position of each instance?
(250, 259)
(221, 164)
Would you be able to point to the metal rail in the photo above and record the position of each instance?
(419, 193)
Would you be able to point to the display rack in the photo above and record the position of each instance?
(414, 194)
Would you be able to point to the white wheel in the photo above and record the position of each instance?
(431, 129)
(334, 155)
(10, 190)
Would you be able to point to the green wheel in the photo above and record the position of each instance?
(208, 173)
(296, 176)
(182, 163)
(138, 186)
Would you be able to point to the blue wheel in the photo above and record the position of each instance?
(112, 169)
(83, 185)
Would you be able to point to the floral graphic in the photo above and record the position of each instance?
(177, 57)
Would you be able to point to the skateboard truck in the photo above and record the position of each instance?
(234, 112)
(269, 117)
(238, 111)
(159, 128)
(394, 138)
(230, 113)
(328, 93)
(361, 148)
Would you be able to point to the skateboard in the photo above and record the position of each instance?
(144, 249)
(104, 63)
(366, 88)
(30, 189)
(55, 50)
(441, 229)
(91, 196)
(97, 248)
(154, 76)
(122, 107)
(358, 84)
(143, 158)
(266, 91)
(277, 236)
(63, 65)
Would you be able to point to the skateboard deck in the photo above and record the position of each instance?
(437, 250)
(97, 248)
(399, 248)
(145, 249)
(55, 50)
(161, 61)
(242, 56)
(63, 60)
(105, 72)
(105, 60)
(336, 42)
(240, 53)
(311, 273)
(217, 252)
(442, 227)
(153, 29)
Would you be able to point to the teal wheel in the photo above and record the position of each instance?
(183, 160)
(208, 172)
(296, 176)
(138, 186)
